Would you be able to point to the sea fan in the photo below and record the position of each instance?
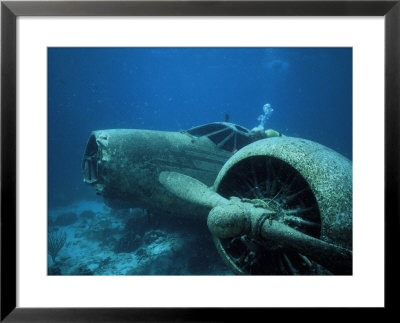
(56, 241)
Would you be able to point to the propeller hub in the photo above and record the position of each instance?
(227, 221)
(235, 218)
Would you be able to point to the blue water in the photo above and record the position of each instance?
(309, 89)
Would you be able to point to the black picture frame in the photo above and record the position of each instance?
(10, 10)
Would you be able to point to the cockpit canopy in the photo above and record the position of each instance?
(225, 135)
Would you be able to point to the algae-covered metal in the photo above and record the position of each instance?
(309, 187)
(123, 164)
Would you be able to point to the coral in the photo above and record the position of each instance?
(87, 214)
(66, 219)
(153, 236)
(56, 241)
(128, 243)
(54, 271)
(100, 230)
(82, 270)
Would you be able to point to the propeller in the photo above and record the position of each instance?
(190, 189)
(233, 217)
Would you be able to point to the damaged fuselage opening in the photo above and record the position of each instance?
(89, 164)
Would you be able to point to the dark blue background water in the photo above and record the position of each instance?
(310, 90)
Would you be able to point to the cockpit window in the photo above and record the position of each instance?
(225, 135)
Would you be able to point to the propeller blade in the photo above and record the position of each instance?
(190, 189)
(337, 259)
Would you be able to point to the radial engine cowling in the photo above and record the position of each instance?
(309, 187)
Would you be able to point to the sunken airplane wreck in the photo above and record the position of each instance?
(274, 206)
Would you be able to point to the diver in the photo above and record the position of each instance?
(257, 134)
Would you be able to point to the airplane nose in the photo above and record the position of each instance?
(89, 163)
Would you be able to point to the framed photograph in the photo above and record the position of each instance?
(167, 160)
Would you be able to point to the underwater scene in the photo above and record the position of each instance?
(200, 161)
